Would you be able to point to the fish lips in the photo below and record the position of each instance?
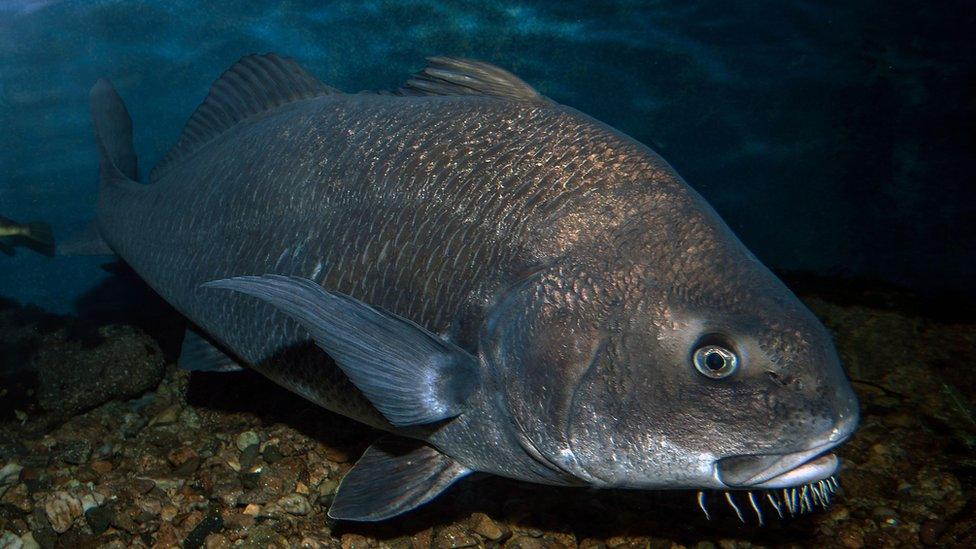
(763, 471)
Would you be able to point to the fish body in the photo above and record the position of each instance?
(513, 285)
(36, 236)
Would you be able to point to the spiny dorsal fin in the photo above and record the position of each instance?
(255, 84)
(453, 76)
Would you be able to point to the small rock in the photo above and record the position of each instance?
(29, 541)
(9, 475)
(525, 542)
(423, 539)
(99, 519)
(169, 416)
(75, 452)
(252, 509)
(101, 467)
(189, 418)
(249, 456)
(72, 378)
(487, 528)
(139, 486)
(850, 538)
(132, 424)
(10, 540)
(18, 497)
(62, 509)
(183, 459)
(296, 504)
(327, 490)
(272, 453)
(453, 537)
(246, 439)
(217, 541)
(210, 524)
(353, 541)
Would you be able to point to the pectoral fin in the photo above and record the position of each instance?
(393, 477)
(412, 376)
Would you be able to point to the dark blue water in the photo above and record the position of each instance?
(836, 138)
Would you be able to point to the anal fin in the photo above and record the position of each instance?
(197, 354)
(394, 476)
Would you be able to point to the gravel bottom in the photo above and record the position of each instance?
(228, 460)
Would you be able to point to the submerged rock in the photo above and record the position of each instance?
(73, 378)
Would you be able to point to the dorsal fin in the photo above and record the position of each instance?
(255, 84)
(454, 76)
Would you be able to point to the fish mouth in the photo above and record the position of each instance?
(764, 471)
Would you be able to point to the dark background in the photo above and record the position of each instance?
(836, 138)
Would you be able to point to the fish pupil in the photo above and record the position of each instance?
(715, 361)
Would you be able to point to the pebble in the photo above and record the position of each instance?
(525, 542)
(453, 537)
(210, 524)
(18, 497)
(487, 528)
(10, 540)
(62, 509)
(353, 541)
(217, 541)
(183, 459)
(296, 504)
(101, 467)
(246, 439)
(169, 416)
(99, 518)
(9, 475)
(75, 452)
(850, 538)
(29, 541)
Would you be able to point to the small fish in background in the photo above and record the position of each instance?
(36, 236)
(503, 284)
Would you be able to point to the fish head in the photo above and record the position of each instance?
(651, 365)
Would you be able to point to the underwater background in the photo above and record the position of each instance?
(835, 138)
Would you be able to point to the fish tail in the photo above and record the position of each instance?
(39, 238)
(113, 135)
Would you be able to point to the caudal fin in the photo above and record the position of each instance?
(113, 133)
(40, 238)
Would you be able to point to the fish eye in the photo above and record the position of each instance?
(715, 361)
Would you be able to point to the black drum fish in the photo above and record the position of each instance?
(503, 283)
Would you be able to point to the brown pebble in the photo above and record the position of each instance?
(453, 537)
(181, 456)
(525, 542)
(354, 541)
(62, 509)
(487, 528)
(850, 538)
(422, 539)
(101, 466)
(216, 541)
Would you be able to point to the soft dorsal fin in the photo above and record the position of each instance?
(255, 84)
(453, 76)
